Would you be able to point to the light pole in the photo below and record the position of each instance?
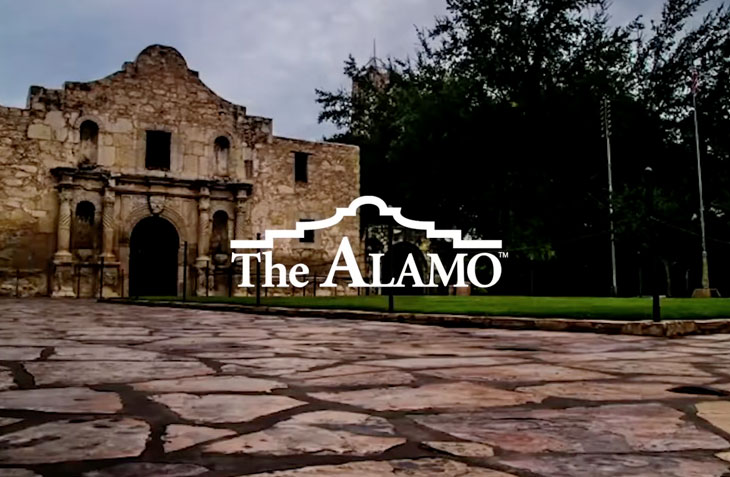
(705, 291)
(606, 114)
(656, 313)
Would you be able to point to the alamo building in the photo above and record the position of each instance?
(114, 185)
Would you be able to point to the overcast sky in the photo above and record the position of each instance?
(268, 55)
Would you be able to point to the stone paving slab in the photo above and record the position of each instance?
(62, 400)
(317, 433)
(70, 440)
(404, 468)
(102, 390)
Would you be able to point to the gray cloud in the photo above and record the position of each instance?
(266, 55)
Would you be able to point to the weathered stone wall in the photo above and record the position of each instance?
(27, 209)
(279, 201)
(156, 92)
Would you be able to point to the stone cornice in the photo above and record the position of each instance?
(105, 176)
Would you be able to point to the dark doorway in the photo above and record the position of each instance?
(153, 251)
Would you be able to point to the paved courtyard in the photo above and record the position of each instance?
(100, 390)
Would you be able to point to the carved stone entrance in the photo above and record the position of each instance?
(153, 258)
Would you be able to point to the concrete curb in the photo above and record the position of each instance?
(670, 329)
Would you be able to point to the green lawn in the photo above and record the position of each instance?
(567, 307)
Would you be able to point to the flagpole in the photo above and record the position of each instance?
(705, 268)
(607, 133)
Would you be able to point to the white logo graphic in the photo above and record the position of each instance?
(344, 252)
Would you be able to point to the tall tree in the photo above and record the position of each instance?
(493, 127)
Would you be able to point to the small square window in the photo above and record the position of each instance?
(158, 150)
(308, 234)
(300, 167)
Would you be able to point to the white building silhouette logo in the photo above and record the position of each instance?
(462, 267)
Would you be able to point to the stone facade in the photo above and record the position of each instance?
(85, 166)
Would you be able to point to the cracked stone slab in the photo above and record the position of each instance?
(400, 468)
(723, 456)
(6, 421)
(7, 381)
(604, 391)
(381, 378)
(642, 355)
(210, 384)
(606, 429)
(290, 365)
(352, 375)
(203, 343)
(676, 380)
(74, 440)
(235, 354)
(144, 469)
(63, 400)
(341, 370)
(178, 436)
(716, 413)
(625, 465)
(116, 339)
(18, 473)
(97, 372)
(644, 367)
(317, 433)
(222, 408)
(443, 396)
(517, 372)
(19, 353)
(33, 342)
(106, 353)
(437, 348)
(461, 449)
(443, 362)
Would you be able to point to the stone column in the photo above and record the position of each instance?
(239, 234)
(63, 282)
(108, 224)
(63, 233)
(204, 224)
(203, 261)
(241, 198)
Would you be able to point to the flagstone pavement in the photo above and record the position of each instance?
(102, 390)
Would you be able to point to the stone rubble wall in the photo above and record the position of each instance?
(279, 202)
(27, 206)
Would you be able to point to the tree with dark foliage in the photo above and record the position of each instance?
(493, 127)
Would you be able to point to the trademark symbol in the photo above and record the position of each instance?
(503, 254)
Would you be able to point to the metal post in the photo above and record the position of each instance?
(17, 282)
(185, 271)
(705, 267)
(641, 278)
(101, 279)
(121, 273)
(258, 275)
(607, 133)
(78, 280)
(391, 305)
(649, 183)
(314, 285)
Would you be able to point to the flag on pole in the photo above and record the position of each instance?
(695, 80)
